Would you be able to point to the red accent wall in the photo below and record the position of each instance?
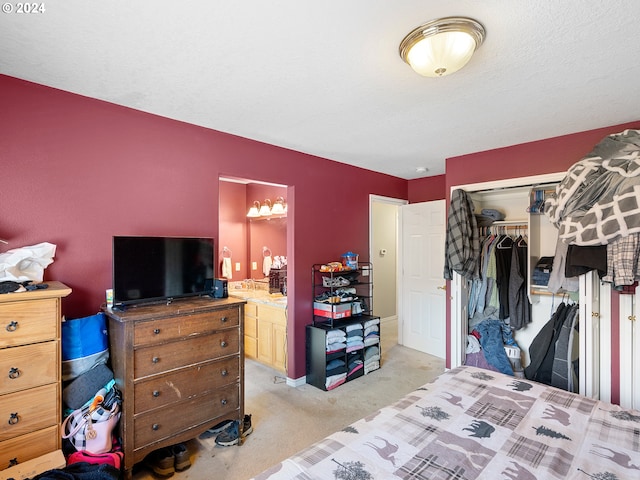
(534, 158)
(233, 228)
(427, 189)
(76, 171)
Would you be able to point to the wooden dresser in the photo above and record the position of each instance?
(180, 367)
(30, 373)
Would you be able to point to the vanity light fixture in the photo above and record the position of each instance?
(278, 207)
(265, 209)
(254, 211)
(443, 46)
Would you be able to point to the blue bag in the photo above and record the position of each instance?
(85, 343)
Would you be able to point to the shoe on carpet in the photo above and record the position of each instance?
(246, 426)
(161, 461)
(229, 436)
(219, 427)
(182, 458)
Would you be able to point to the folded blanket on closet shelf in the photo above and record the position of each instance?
(494, 214)
(355, 326)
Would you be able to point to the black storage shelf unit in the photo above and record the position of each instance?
(360, 282)
(356, 363)
(349, 318)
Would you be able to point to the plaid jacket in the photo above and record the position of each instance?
(462, 245)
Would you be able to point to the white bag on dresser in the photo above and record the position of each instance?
(26, 263)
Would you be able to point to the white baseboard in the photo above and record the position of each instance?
(296, 382)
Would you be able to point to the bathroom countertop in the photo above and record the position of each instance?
(260, 296)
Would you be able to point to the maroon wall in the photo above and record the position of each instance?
(233, 228)
(76, 171)
(427, 189)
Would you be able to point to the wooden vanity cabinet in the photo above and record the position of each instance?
(180, 367)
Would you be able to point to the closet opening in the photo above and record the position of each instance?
(510, 304)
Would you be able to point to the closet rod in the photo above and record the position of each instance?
(510, 222)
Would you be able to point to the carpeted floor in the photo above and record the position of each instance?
(287, 419)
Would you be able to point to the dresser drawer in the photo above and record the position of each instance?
(28, 322)
(169, 356)
(184, 384)
(28, 447)
(25, 412)
(28, 366)
(167, 329)
(160, 424)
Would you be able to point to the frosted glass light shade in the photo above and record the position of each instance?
(442, 47)
(278, 207)
(253, 211)
(265, 209)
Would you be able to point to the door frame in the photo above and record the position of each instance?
(398, 202)
(458, 321)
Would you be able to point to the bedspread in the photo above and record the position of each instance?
(473, 423)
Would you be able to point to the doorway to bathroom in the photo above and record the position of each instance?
(253, 258)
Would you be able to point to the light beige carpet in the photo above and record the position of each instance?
(286, 419)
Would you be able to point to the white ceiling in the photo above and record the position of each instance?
(325, 77)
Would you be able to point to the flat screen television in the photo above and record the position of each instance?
(153, 269)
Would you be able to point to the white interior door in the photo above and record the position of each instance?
(422, 313)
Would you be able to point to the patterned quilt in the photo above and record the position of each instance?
(473, 423)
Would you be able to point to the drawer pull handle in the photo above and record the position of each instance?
(224, 373)
(13, 418)
(223, 344)
(14, 373)
(156, 331)
(224, 319)
(223, 401)
(155, 359)
(155, 426)
(12, 327)
(156, 393)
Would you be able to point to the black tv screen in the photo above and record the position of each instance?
(148, 269)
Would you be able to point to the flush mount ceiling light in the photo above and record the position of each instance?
(442, 47)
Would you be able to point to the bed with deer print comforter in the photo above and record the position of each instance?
(471, 423)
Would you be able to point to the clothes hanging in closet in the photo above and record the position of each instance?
(502, 283)
(550, 339)
(519, 305)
